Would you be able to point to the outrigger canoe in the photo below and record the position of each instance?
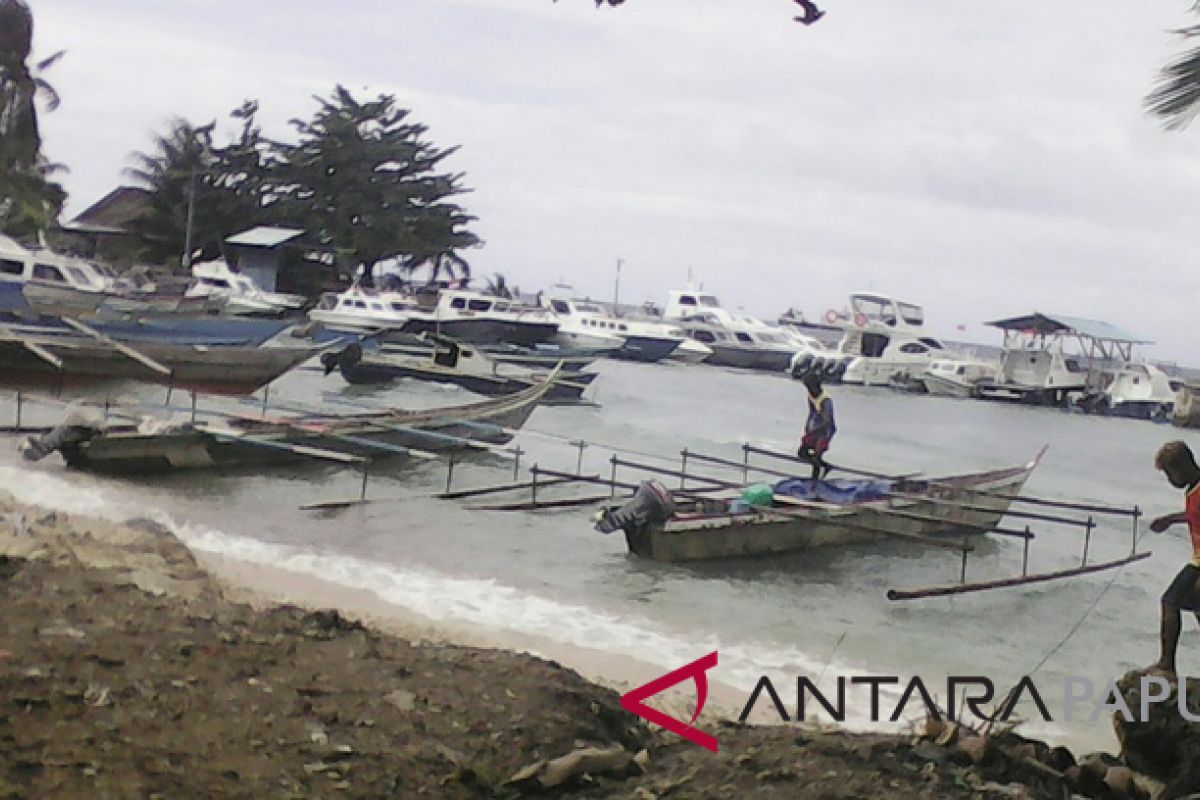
(236, 441)
(951, 508)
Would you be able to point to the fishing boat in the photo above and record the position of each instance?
(245, 440)
(800, 516)
(454, 363)
(91, 357)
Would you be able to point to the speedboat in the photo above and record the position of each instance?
(479, 318)
(885, 339)
(949, 377)
(362, 310)
(737, 340)
(582, 323)
(242, 296)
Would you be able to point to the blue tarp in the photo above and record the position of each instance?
(835, 491)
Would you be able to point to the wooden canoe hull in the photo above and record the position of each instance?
(259, 443)
(766, 533)
(216, 370)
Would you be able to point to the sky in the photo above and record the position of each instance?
(982, 159)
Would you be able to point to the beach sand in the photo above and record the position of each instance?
(132, 668)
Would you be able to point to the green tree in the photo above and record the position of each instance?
(176, 174)
(30, 201)
(363, 179)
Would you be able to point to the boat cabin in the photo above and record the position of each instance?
(42, 266)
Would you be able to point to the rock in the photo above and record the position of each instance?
(401, 699)
(1164, 746)
(584, 761)
(642, 759)
(976, 748)
(1120, 781)
(931, 753)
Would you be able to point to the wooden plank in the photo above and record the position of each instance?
(32, 347)
(124, 349)
(981, 586)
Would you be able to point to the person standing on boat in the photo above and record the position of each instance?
(819, 428)
(1176, 461)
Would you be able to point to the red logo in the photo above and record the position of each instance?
(632, 701)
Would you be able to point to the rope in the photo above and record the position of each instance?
(1009, 696)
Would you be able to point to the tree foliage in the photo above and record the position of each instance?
(1175, 97)
(29, 200)
(360, 178)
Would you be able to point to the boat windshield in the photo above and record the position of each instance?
(709, 301)
(911, 314)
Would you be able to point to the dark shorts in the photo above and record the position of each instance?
(1182, 592)
(818, 444)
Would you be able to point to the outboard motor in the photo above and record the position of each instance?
(79, 426)
(651, 503)
(350, 356)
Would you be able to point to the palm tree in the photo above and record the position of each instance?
(1176, 95)
(174, 172)
(29, 201)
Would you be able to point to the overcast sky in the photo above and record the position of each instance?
(984, 159)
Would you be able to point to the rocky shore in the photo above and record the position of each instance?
(127, 670)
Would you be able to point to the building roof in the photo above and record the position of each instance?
(113, 213)
(264, 236)
(1049, 324)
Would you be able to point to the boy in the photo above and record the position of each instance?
(819, 428)
(1176, 461)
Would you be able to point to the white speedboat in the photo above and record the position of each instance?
(1138, 389)
(360, 310)
(469, 316)
(582, 323)
(885, 339)
(950, 377)
(241, 295)
(1037, 368)
(736, 339)
(49, 281)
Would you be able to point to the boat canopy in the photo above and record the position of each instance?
(1041, 324)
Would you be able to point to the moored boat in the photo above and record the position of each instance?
(845, 513)
(242, 441)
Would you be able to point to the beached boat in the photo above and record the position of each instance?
(240, 441)
(458, 364)
(839, 513)
(90, 358)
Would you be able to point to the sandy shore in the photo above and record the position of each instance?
(132, 668)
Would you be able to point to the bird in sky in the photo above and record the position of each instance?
(811, 12)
